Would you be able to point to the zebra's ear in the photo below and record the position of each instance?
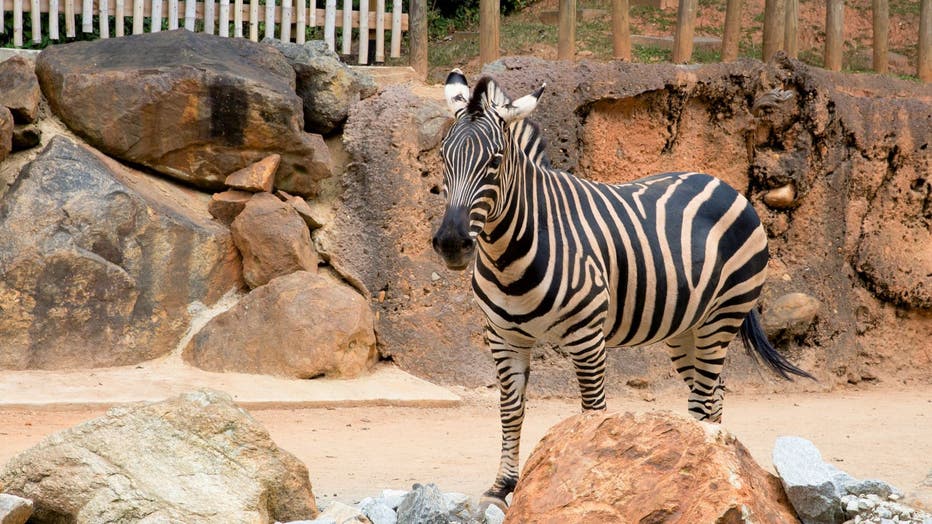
(521, 107)
(456, 90)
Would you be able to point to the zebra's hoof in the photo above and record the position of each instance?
(486, 500)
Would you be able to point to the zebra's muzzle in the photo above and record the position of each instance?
(453, 242)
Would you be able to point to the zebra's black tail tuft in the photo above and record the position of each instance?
(753, 335)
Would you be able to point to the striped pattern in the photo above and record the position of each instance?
(676, 257)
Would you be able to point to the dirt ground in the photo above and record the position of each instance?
(352, 453)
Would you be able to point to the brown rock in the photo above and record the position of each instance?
(273, 240)
(790, 315)
(19, 89)
(300, 205)
(781, 198)
(196, 457)
(301, 325)
(6, 133)
(651, 467)
(99, 264)
(227, 205)
(193, 106)
(256, 177)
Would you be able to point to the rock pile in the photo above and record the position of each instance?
(823, 494)
(424, 504)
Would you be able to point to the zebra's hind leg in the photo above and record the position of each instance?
(699, 363)
(513, 366)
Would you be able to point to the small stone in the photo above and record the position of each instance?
(851, 507)
(865, 503)
(883, 513)
(790, 315)
(227, 205)
(26, 137)
(14, 510)
(377, 511)
(341, 513)
(459, 506)
(257, 177)
(393, 497)
(807, 480)
(494, 515)
(312, 219)
(424, 505)
(434, 276)
(782, 197)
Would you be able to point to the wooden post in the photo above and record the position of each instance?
(285, 31)
(621, 30)
(70, 30)
(363, 32)
(138, 10)
(924, 63)
(489, 18)
(417, 33)
(774, 19)
(301, 23)
(238, 18)
(566, 44)
(103, 18)
(87, 16)
(685, 28)
(254, 21)
(380, 31)
(155, 24)
(172, 15)
(330, 23)
(53, 19)
(396, 29)
(347, 32)
(834, 33)
(880, 14)
(269, 18)
(790, 40)
(732, 30)
(190, 14)
(223, 25)
(35, 17)
(17, 23)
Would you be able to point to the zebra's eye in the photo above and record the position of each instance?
(495, 162)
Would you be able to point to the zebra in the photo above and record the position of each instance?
(674, 257)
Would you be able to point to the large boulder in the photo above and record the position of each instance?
(651, 467)
(327, 86)
(302, 325)
(6, 133)
(381, 232)
(192, 458)
(193, 106)
(273, 239)
(99, 265)
(19, 89)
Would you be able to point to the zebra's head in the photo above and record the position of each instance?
(474, 153)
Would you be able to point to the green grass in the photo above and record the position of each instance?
(651, 15)
(904, 7)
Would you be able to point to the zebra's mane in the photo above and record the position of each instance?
(525, 131)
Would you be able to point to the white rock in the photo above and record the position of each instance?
(377, 511)
(393, 497)
(341, 513)
(808, 481)
(13, 509)
(494, 515)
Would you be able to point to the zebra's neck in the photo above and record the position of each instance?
(513, 229)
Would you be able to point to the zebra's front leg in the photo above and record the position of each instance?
(513, 364)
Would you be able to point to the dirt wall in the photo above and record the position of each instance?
(857, 235)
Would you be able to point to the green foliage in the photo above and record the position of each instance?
(904, 7)
(6, 38)
(652, 15)
(651, 54)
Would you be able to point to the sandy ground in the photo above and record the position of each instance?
(355, 452)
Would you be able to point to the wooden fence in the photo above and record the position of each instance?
(781, 24)
(287, 20)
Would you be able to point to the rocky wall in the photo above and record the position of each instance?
(842, 161)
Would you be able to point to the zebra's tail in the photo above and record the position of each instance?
(753, 335)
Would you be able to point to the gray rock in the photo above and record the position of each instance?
(459, 507)
(378, 511)
(871, 487)
(393, 497)
(807, 480)
(14, 510)
(423, 505)
(327, 86)
(494, 515)
(193, 458)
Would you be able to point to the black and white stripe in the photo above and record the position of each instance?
(676, 257)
